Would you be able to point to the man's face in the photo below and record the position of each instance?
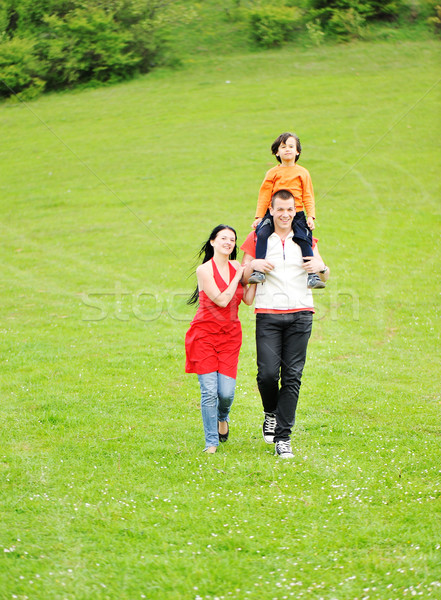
(283, 212)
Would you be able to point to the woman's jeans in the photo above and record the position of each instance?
(217, 395)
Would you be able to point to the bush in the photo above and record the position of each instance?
(20, 69)
(85, 46)
(315, 32)
(346, 19)
(346, 24)
(273, 25)
(372, 9)
(388, 10)
(55, 44)
(435, 21)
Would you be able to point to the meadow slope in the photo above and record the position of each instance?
(106, 196)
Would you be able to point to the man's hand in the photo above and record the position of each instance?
(310, 223)
(314, 264)
(261, 264)
(256, 223)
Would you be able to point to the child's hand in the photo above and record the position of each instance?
(310, 223)
(255, 223)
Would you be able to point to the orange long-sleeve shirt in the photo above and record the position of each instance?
(296, 179)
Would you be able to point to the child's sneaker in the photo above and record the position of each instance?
(257, 277)
(314, 282)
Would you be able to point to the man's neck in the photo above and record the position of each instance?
(282, 233)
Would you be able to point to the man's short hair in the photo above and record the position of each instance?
(282, 195)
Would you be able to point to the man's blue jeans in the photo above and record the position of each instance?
(217, 395)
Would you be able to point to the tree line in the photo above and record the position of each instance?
(56, 44)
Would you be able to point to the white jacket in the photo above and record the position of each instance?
(285, 287)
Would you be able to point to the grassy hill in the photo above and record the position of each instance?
(106, 196)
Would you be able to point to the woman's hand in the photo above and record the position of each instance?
(239, 272)
(256, 222)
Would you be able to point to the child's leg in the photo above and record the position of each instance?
(263, 231)
(305, 246)
(302, 234)
(303, 237)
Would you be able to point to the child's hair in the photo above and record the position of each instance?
(282, 140)
(207, 251)
(283, 195)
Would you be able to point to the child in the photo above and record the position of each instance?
(287, 176)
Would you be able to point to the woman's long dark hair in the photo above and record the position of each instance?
(207, 251)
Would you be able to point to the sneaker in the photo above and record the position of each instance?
(283, 449)
(314, 282)
(269, 428)
(257, 277)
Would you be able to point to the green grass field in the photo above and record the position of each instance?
(106, 196)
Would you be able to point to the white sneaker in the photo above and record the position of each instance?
(269, 428)
(283, 449)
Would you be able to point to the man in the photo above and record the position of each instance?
(284, 309)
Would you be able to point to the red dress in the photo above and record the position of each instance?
(215, 336)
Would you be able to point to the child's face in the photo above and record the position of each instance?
(287, 151)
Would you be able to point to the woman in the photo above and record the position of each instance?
(213, 342)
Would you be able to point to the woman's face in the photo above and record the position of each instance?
(224, 242)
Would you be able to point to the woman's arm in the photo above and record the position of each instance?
(207, 284)
(249, 291)
(249, 263)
